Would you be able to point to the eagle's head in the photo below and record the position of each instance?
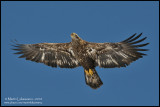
(76, 40)
(74, 36)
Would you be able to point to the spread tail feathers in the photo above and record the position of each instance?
(92, 79)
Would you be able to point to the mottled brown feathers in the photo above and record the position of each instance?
(51, 54)
(83, 53)
(79, 52)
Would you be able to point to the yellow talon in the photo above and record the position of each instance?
(90, 72)
(86, 72)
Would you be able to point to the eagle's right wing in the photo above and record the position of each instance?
(51, 54)
(120, 54)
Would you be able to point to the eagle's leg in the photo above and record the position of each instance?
(92, 79)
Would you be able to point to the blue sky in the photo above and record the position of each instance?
(53, 22)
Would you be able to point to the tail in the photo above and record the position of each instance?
(92, 79)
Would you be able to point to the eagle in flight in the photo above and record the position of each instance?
(79, 52)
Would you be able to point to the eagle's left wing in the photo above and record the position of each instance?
(121, 54)
(51, 54)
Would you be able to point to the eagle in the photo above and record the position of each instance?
(79, 52)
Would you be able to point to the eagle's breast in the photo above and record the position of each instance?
(82, 55)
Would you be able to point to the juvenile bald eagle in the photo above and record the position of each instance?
(79, 52)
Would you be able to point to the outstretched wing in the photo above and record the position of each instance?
(51, 54)
(121, 54)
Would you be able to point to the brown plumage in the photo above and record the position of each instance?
(79, 52)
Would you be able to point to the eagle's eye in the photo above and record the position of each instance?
(76, 36)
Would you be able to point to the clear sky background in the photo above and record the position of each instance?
(53, 22)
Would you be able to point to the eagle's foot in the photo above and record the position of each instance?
(89, 72)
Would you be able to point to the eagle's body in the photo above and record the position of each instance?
(79, 52)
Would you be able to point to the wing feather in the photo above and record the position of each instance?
(51, 54)
(121, 54)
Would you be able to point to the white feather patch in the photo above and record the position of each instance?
(42, 58)
(122, 54)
